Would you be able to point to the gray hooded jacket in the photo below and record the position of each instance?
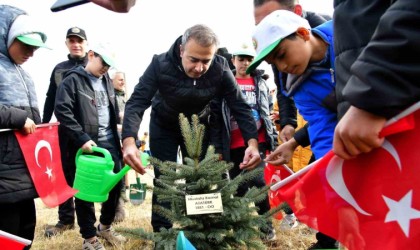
(18, 101)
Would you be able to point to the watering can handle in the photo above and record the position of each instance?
(104, 151)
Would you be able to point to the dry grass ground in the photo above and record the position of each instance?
(299, 238)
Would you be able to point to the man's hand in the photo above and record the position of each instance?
(283, 153)
(287, 133)
(131, 155)
(87, 147)
(357, 132)
(120, 6)
(29, 126)
(252, 156)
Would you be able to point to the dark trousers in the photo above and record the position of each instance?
(237, 156)
(164, 144)
(66, 211)
(19, 219)
(85, 210)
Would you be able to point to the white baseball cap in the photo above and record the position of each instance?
(245, 49)
(105, 51)
(33, 39)
(271, 31)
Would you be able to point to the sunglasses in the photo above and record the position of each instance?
(104, 64)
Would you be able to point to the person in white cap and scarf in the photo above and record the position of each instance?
(19, 39)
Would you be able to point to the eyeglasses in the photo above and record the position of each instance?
(104, 64)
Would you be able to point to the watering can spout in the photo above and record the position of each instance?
(115, 178)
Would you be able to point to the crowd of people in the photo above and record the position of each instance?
(329, 74)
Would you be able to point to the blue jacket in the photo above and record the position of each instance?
(314, 95)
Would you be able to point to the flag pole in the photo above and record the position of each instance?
(290, 178)
(404, 113)
(38, 126)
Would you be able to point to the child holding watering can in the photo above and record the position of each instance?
(85, 108)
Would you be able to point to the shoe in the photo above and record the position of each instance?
(269, 234)
(289, 222)
(318, 245)
(94, 245)
(51, 231)
(119, 211)
(111, 236)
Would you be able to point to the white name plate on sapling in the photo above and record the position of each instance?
(204, 203)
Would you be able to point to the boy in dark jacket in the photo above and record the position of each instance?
(85, 108)
(77, 45)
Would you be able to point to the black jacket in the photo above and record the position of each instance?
(377, 52)
(55, 79)
(166, 87)
(76, 111)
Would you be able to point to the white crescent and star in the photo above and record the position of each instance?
(43, 144)
(399, 211)
(402, 212)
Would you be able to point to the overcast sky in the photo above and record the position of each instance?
(149, 28)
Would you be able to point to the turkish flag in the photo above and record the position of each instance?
(12, 242)
(42, 155)
(370, 202)
(272, 175)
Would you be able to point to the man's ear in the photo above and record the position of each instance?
(181, 50)
(304, 33)
(298, 10)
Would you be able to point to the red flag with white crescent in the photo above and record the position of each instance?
(43, 158)
(12, 242)
(370, 202)
(274, 174)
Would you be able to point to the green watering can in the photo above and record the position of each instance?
(94, 175)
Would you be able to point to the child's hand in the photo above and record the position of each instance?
(29, 126)
(87, 147)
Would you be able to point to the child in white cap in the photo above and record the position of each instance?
(286, 40)
(86, 109)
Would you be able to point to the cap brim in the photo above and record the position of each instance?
(108, 60)
(244, 54)
(69, 35)
(32, 42)
(260, 57)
